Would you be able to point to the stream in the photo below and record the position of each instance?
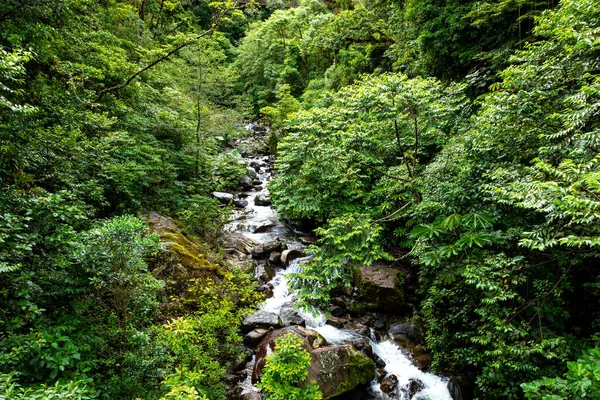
(260, 224)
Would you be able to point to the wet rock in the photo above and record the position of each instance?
(379, 288)
(254, 337)
(337, 311)
(380, 374)
(378, 361)
(461, 387)
(389, 385)
(311, 340)
(240, 203)
(358, 328)
(239, 363)
(251, 173)
(257, 164)
(263, 226)
(246, 182)
(423, 361)
(257, 183)
(224, 198)
(275, 258)
(264, 272)
(336, 322)
(289, 316)
(266, 289)
(402, 332)
(379, 323)
(252, 396)
(339, 369)
(262, 200)
(261, 319)
(231, 379)
(266, 248)
(291, 254)
(308, 240)
(414, 387)
(365, 348)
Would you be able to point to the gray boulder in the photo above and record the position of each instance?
(267, 247)
(261, 320)
(262, 200)
(224, 198)
(379, 289)
(246, 182)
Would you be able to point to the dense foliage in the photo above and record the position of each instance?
(455, 140)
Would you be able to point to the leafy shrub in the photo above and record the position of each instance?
(286, 370)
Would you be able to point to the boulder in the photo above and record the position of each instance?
(311, 340)
(339, 369)
(389, 385)
(261, 319)
(262, 200)
(275, 258)
(336, 322)
(289, 316)
(254, 337)
(414, 387)
(240, 203)
(251, 173)
(291, 254)
(266, 248)
(379, 289)
(461, 387)
(224, 198)
(263, 226)
(405, 332)
(246, 182)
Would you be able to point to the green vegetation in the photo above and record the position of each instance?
(458, 141)
(286, 370)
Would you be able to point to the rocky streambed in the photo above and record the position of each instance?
(361, 348)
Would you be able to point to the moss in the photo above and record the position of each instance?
(361, 369)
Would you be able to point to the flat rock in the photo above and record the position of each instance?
(266, 248)
(254, 337)
(263, 226)
(224, 198)
(261, 319)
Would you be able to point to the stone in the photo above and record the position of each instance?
(423, 361)
(311, 340)
(365, 348)
(267, 248)
(246, 182)
(414, 387)
(289, 316)
(461, 387)
(251, 172)
(254, 337)
(379, 287)
(336, 322)
(262, 200)
(224, 198)
(231, 379)
(403, 332)
(337, 311)
(339, 369)
(308, 240)
(261, 319)
(275, 258)
(389, 385)
(291, 254)
(379, 323)
(239, 363)
(378, 361)
(240, 203)
(263, 226)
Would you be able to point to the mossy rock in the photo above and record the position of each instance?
(380, 289)
(339, 369)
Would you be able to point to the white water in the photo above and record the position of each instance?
(397, 362)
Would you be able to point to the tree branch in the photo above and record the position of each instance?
(209, 32)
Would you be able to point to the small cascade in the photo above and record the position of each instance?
(260, 223)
